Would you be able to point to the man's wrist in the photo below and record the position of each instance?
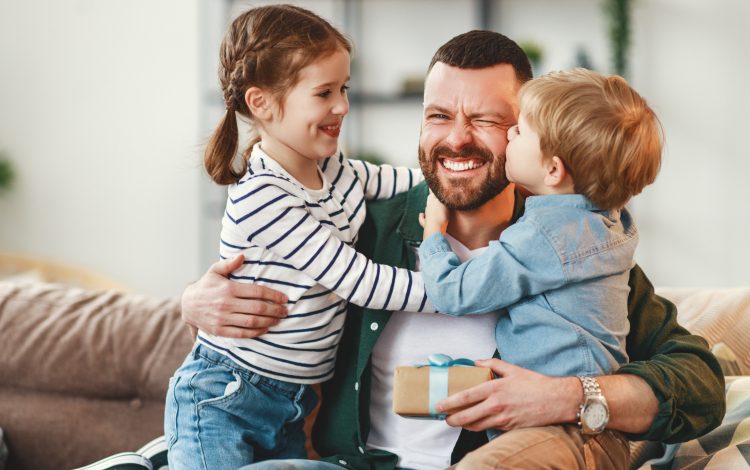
(571, 396)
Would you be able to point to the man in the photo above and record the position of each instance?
(671, 391)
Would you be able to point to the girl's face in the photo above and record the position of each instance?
(524, 161)
(307, 126)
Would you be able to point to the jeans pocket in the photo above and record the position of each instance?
(216, 386)
(171, 412)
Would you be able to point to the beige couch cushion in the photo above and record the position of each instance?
(89, 343)
(719, 315)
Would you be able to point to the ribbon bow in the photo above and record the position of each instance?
(438, 388)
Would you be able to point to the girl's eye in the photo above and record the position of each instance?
(325, 94)
(344, 88)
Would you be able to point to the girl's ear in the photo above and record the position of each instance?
(259, 103)
(557, 174)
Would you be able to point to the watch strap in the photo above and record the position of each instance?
(592, 393)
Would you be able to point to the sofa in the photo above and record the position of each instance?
(83, 373)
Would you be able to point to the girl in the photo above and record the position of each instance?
(294, 208)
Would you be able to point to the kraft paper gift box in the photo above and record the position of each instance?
(417, 389)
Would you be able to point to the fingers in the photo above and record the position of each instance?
(465, 398)
(258, 292)
(481, 408)
(226, 266)
(466, 421)
(498, 366)
(238, 325)
(261, 308)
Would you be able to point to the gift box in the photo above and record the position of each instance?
(417, 389)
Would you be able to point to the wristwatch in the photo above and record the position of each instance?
(593, 415)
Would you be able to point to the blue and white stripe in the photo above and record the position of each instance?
(300, 241)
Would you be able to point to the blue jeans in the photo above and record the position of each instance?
(220, 415)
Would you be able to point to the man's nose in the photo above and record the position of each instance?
(459, 135)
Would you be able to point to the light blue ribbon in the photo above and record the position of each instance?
(438, 388)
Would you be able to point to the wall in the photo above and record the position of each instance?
(105, 106)
(688, 59)
(99, 112)
(691, 60)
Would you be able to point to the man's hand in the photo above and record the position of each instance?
(435, 217)
(517, 398)
(232, 309)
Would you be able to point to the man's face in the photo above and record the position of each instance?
(467, 113)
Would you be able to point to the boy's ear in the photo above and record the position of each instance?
(259, 103)
(557, 173)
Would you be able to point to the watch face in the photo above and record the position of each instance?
(595, 416)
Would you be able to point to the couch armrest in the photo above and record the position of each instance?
(720, 315)
(92, 343)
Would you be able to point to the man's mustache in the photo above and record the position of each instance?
(469, 151)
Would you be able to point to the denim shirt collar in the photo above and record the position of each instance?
(416, 199)
(573, 201)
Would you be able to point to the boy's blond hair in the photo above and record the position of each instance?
(605, 133)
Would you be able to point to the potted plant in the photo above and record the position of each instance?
(618, 13)
(6, 173)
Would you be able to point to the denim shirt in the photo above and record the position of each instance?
(562, 273)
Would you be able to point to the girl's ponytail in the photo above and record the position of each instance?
(221, 151)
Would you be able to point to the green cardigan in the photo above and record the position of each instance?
(684, 375)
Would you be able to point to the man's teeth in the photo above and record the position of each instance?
(462, 166)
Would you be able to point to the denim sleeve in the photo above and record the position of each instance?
(520, 264)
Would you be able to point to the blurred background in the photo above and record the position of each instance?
(105, 107)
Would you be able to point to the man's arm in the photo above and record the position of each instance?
(671, 391)
(221, 307)
(683, 375)
(522, 398)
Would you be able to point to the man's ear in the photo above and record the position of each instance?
(259, 103)
(557, 173)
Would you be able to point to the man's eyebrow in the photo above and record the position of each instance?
(437, 108)
(490, 114)
(502, 115)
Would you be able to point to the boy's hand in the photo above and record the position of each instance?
(434, 219)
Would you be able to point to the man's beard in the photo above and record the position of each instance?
(461, 195)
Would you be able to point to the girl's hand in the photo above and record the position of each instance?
(434, 219)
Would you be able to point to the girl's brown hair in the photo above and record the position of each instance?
(607, 136)
(264, 47)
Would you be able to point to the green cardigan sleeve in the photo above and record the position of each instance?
(677, 365)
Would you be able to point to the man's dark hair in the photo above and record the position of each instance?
(480, 49)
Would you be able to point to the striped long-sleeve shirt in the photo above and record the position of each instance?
(300, 241)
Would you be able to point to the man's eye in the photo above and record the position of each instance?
(438, 116)
(485, 123)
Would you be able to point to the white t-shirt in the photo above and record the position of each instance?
(408, 338)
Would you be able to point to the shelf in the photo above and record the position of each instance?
(384, 98)
(214, 98)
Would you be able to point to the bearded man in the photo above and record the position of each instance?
(671, 391)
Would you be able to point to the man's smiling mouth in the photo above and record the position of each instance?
(461, 165)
